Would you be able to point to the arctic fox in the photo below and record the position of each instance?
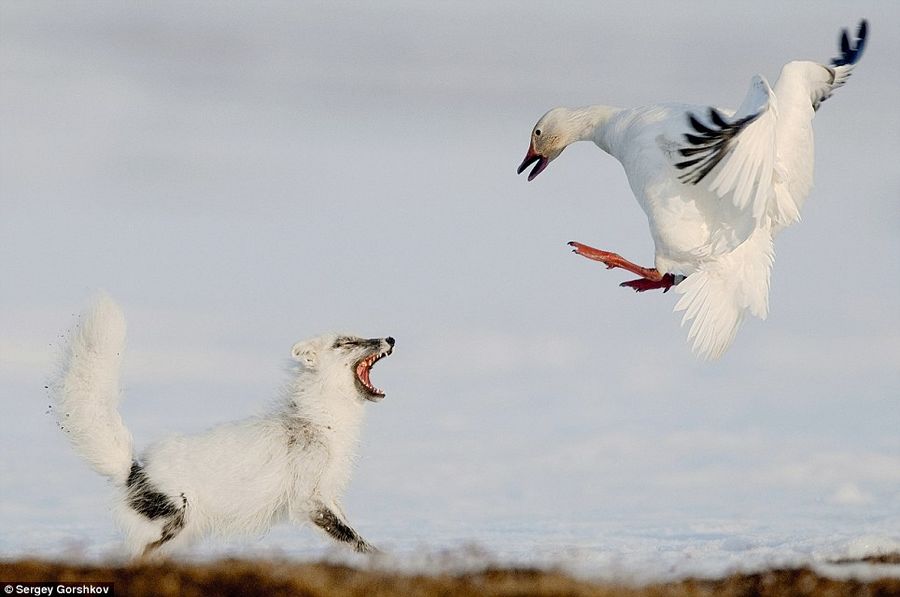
(237, 478)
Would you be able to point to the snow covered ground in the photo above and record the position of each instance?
(601, 502)
(240, 179)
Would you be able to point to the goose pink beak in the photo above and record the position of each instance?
(531, 157)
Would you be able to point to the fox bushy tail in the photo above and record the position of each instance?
(721, 292)
(87, 390)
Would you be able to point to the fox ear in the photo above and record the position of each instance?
(305, 354)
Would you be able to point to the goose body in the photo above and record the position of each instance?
(716, 185)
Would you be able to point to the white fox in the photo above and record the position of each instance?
(237, 478)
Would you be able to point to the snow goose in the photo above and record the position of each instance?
(716, 185)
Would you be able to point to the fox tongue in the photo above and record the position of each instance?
(363, 372)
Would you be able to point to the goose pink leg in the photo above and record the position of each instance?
(650, 279)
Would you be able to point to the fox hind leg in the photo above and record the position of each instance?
(173, 525)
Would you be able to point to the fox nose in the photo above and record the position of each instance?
(390, 341)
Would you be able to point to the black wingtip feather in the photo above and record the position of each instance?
(688, 163)
(717, 118)
(695, 140)
(689, 151)
(699, 126)
(849, 53)
(861, 35)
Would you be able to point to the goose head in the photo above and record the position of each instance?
(552, 133)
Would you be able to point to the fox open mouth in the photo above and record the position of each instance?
(362, 375)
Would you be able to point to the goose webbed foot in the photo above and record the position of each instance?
(643, 284)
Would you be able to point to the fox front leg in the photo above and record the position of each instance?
(326, 519)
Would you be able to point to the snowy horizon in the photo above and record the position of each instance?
(239, 179)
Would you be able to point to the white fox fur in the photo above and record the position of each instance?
(87, 393)
(292, 463)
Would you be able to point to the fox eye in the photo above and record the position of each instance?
(346, 342)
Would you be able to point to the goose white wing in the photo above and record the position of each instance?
(735, 157)
(762, 157)
(801, 89)
(842, 66)
(761, 160)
